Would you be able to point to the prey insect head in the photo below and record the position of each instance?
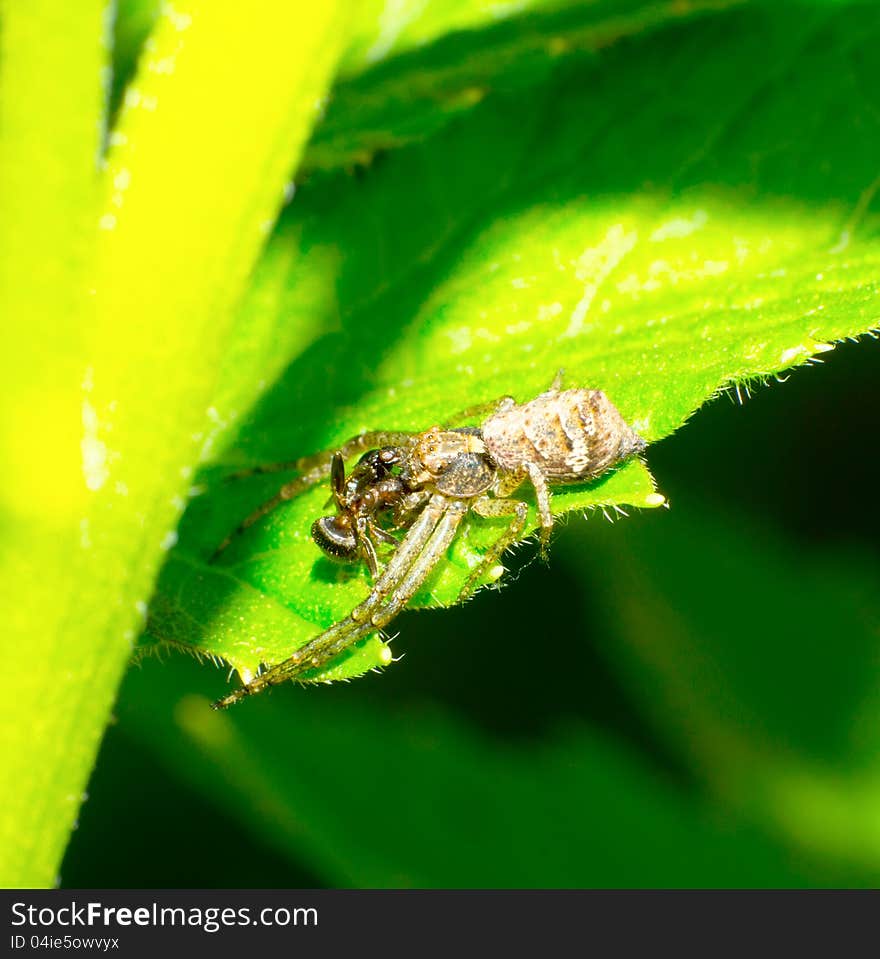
(335, 535)
(363, 499)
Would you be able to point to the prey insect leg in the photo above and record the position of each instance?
(490, 508)
(422, 548)
(314, 469)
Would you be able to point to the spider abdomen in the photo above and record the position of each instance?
(569, 435)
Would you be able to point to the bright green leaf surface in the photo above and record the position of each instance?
(48, 186)
(647, 222)
(370, 797)
(759, 666)
(194, 175)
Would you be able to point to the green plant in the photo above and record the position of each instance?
(610, 188)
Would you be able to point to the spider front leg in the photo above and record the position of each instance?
(288, 491)
(424, 546)
(484, 410)
(305, 464)
(508, 482)
(481, 410)
(491, 508)
(314, 469)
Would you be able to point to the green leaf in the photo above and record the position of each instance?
(194, 174)
(396, 88)
(49, 140)
(645, 221)
(375, 796)
(758, 665)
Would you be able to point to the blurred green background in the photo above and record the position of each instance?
(692, 697)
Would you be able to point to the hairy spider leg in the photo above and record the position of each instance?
(422, 548)
(508, 483)
(452, 513)
(542, 495)
(314, 469)
(355, 444)
(482, 410)
(492, 508)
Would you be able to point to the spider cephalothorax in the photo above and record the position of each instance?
(428, 482)
(388, 488)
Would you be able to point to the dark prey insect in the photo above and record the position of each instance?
(371, 491)
(434, 479)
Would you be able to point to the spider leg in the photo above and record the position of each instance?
(355, 444)
(314, 469)
(423, 547)
(490, 508)
(434, 551)
(557, 380)
(482, 410)
(288, 491)
(497, 406)
(542, 495)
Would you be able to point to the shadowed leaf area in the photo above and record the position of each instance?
(756, 665)
(413, 797)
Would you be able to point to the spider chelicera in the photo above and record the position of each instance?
(424, 484)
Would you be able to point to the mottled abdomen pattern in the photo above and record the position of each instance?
(570, 435)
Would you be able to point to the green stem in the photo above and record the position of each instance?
(51, 106)
(210, 131)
